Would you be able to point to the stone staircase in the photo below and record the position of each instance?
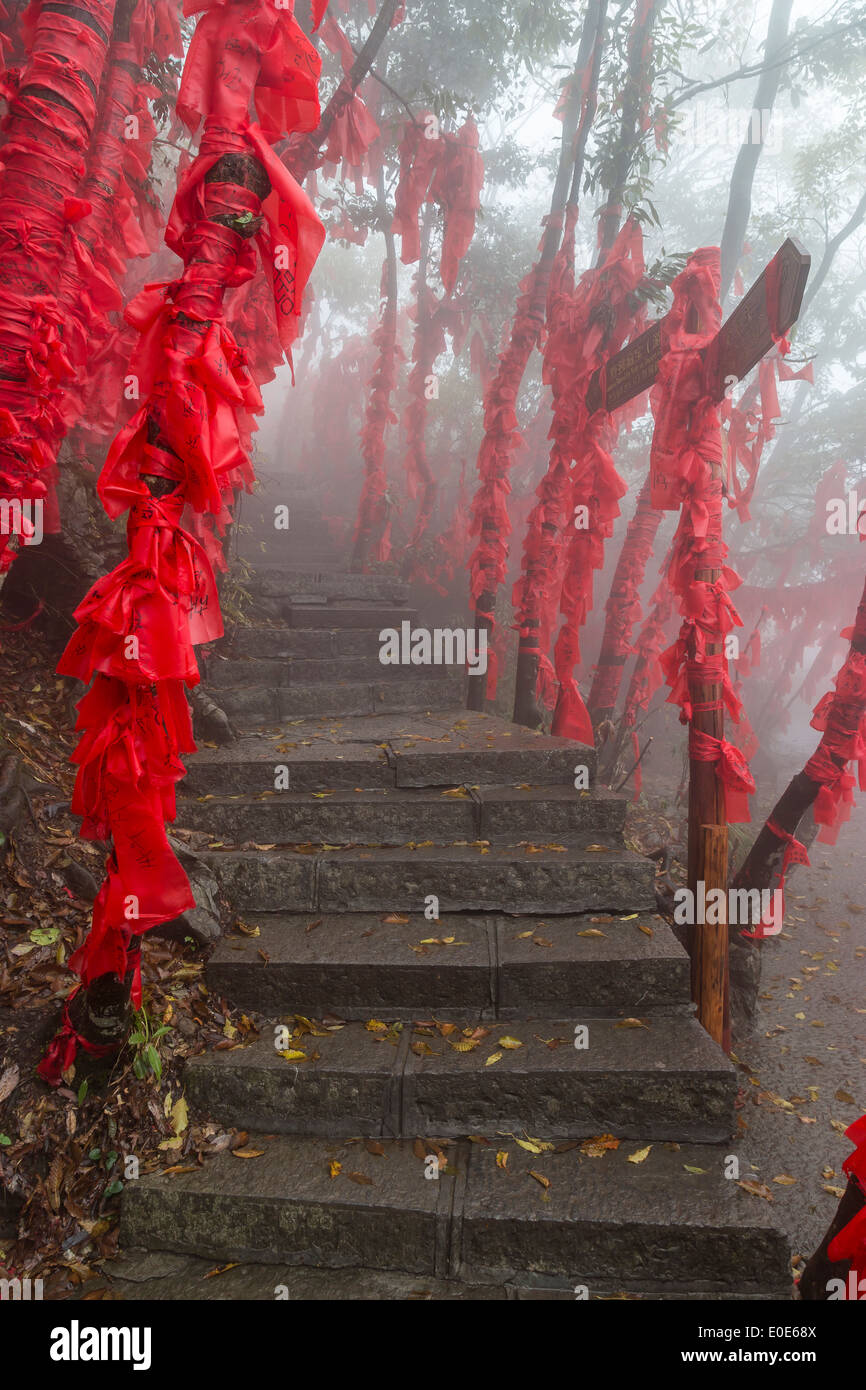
(544, 1013)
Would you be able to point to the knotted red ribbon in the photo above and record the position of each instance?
(795, 853)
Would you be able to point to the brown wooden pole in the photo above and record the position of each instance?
(710, 941)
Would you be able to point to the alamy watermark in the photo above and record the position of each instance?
(24, 519)
(438, 646)
(732, 126)
(739, 907)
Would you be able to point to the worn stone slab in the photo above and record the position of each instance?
(144, 1275)
(622, 970)
(637, 1223)
(498, 752)
(265, 882)
(378, 815)
(349, 1086)
(257, 704)
(314, 763)
(333, 587)
(357, 966)
(667, 1080)
(605, 1222)
(341, 615)
(514, 810)
(278, 643)
(269, 669)
(348, 697)
(286, 1206)
(498, 879)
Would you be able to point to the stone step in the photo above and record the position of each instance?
(256, 705)
(314, 643)
(330, 586)
(158, 1275)
(356, 965)
(664, 1080)
(395, 815)
(600, 1220)
(340, 615)
(472, 878)
(444, 748)
(224, 672)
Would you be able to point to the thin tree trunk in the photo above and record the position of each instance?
(743, 177)
(763, 866)
(622, 609)
(373, 507)
(305, 156)
(496, 455)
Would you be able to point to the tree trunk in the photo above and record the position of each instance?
(373, 507)
(764, 864)
(622, 609)
(48, 131)
(496, 455)
(305, 156)
(742, 179)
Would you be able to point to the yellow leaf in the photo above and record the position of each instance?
(539, 1177)
(531, 1148)
(785, 1180)
(465, 1044)
(375, 1025)
(834, 1191)
(502, 1158)
(640, 1155)
(247, 1153)
(292, 1054)
(632, 1023)
(510, 1043)
(171, 1143)
(179, 1116)
(591, 931)
(494, 1057)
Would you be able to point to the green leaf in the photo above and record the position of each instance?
(44, 936)
(4, 1139)
(153, 1060)
(114, 1188)
(95, 1155)
(82, 1091)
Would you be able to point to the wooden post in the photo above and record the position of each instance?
(710, 941)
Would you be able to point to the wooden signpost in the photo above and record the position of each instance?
(766, 313)
(739, 345)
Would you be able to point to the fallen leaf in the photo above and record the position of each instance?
(640, 1155)
(755, 1188)
(247, 1153)
(361, 1178)
(494, 1057)
(510, 1043)
(539, 1177)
